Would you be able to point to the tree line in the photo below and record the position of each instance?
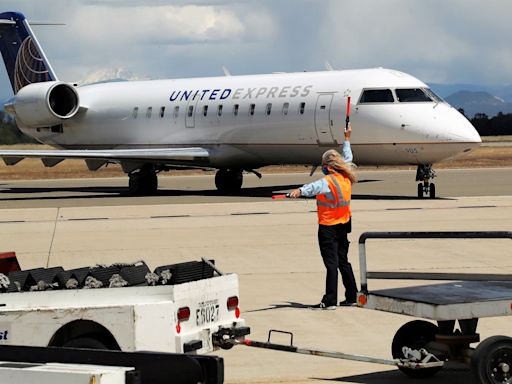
(9, 132)
(501, 124)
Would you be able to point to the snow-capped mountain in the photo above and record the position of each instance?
(110, 75)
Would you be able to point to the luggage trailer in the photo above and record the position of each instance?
(421, 348)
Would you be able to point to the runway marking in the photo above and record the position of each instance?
(167, 216)
(12, 221)
(402, 209)
(228, 214)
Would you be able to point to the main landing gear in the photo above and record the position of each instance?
(143, 181)
(229, 181)
(424, 173)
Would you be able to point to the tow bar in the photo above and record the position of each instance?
(414, 359)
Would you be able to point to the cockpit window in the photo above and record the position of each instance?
(377, 96)
(434, 96)
(412, 95)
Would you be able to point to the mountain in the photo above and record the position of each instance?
(479, 102)
(98, 76)
(109, 75)
(502, 91)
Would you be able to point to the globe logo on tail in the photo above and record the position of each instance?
(29, 67)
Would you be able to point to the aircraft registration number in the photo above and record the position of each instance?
(208, 312)
(411, 150)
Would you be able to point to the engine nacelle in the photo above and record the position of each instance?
(45, 104)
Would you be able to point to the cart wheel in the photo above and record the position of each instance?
(415, 334)
(85, 342)
(491, 362)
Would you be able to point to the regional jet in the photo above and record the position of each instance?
(230, 123)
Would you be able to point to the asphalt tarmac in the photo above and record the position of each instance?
(385, 185)
(272, 246)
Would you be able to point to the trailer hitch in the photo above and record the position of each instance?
(418, 359)
(414, 359)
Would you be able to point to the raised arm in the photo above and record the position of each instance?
(347, 150)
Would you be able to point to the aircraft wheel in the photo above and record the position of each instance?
(432, 191)
(134, 184)
(143, 182)
(415, 334)
(229, 181)
(151, 183)
(420, 190)
(491, 362)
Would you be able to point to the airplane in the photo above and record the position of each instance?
(229, 123)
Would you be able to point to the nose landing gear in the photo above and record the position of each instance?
(424, 173)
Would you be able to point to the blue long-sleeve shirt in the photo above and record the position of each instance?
(321, 186)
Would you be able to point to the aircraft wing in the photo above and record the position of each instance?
(169, 156)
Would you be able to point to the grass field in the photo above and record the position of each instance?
(495, 139)
(33, 169)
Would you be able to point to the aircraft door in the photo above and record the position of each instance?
(323, 120)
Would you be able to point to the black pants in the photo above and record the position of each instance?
(334, 245)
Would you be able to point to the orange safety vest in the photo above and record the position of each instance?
(337, 211)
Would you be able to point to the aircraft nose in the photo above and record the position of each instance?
(461, 129)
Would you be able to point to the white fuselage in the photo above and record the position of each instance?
(171, 113)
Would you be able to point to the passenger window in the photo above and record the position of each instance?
(268, 109)
(252, 107)
(377, 96)
(190, 111)
(205, 110)
(302, 107)
(176, 111)
(412, 95)
(235, 109)
(148, 112)
(162, 112)
(219, 110)
(285, 108)
(135, 112)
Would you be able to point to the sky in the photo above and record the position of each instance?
(438, 41)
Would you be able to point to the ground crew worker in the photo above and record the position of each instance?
(333, 194)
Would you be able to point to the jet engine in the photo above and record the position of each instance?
(44, 104)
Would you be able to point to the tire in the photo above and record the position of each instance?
(432, 191)
(415, 334)
(420, 191)
(228, 181)
(142, 183)
(221, 180)
(85, 343)
(135, 186)
(491, 362)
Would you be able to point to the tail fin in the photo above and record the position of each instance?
(24, 59)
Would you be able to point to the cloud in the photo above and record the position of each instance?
(463, 41)
(448, 40)
(156, 25)
(164, 40)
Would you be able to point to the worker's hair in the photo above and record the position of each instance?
(334, 159)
